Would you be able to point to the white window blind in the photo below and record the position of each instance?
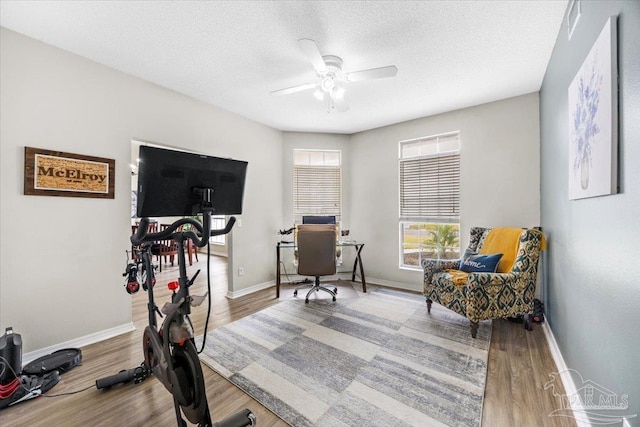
(218, 222)
(317, 184)
(430, 180)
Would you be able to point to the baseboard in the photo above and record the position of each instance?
(79, 342)
(565, 376)
(295, 278)
(215, 253)
(250, 289)
(292, 278)
(339, 276)
(398, 285)
(372, 280)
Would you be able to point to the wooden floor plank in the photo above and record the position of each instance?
(519, 364)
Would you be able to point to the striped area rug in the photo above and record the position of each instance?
(376, 360)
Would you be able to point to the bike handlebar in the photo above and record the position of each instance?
(142, 236)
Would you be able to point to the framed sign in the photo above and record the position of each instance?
(55, 173)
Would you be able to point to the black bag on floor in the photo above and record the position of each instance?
(538, 311)
(10, 356)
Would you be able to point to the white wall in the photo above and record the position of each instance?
(500, 178)
(61, 258)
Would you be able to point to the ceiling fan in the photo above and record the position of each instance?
(333, 80)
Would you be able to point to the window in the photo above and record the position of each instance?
(217, 222)
(317, 183)
(429, 170)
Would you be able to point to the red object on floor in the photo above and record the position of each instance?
(9, 389)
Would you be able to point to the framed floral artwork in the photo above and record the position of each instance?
(593, 120)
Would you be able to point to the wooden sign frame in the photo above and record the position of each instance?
(56, 173)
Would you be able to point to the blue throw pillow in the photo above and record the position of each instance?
(480, 263)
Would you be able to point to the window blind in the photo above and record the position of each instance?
(430, 188)
(217, 222)
(317, 190)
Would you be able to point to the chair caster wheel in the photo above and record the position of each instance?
(306, 301)
(334, 299)
(295, 293)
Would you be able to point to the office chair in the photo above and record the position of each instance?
(316, 255)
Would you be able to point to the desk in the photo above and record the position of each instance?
(356, 262)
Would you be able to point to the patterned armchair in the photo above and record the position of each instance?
(481, 296)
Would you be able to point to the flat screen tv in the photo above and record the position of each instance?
(171, 183)
(319, 219)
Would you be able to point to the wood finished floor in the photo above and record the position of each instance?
(519, 364)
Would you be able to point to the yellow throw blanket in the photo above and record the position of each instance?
(501, 240)
(459, 278)
(505, 241)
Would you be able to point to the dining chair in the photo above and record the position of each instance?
(165, 248)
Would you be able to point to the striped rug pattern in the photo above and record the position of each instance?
(377, 360)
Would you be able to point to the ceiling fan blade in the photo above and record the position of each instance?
(338, 101)
(373, 73)
(294, 89)
(311, 51)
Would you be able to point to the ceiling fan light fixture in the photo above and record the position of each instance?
(327, 84)
(331, 87)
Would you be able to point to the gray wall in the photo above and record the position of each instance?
(62, 257)
(592, 266)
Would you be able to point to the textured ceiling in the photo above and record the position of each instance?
(450, 54)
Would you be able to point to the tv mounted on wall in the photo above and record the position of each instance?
(171, 183)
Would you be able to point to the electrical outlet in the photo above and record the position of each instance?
(239, 222)
(240, 271)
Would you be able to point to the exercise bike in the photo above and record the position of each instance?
(169, 352)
